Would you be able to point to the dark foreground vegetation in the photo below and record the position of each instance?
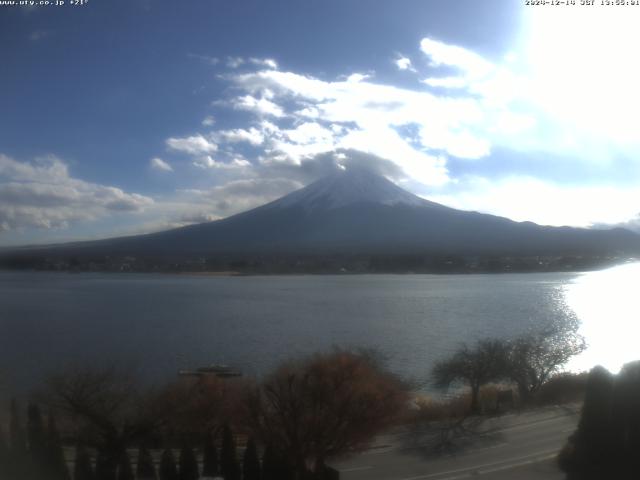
(105, 425)
(607, 441)
(111, 428)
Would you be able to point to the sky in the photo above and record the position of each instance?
(120, 117)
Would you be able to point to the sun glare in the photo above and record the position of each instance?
(582, 67)
(606, 302)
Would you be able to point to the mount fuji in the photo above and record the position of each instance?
(355, 212)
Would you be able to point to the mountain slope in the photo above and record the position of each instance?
(354, 212)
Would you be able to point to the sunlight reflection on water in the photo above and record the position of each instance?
(606, 302)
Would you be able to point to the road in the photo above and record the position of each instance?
(515, 446)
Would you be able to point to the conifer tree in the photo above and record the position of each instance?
(145, 469)
(268, 464)
(251, 462)
(82, 468)
(596, 438)
(56, 463)
(188, 464)
(125, 472)
(210, 458)
(18, 464)
(106, 468)
(4, 455)
(274, 466)
(168, 470)
(229, 467)
(36, 437)
(16, 433)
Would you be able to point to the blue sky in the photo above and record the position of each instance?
(120, 117)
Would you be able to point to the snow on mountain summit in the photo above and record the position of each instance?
(348, 187)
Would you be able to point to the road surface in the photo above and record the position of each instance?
(515, 446)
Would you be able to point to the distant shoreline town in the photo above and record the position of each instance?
(230, 265)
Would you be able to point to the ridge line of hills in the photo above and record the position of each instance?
(352, 220)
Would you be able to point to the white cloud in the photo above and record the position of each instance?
(193, 145)
(309, 132)
(264, 62)
(42, 194)
(208, 162)
(235, 62)
(470, 62)
(191, 206)
(554, 94)
(157, 163)
(404, 63)
(300, 85)
(459, 143)
(357, 77)
(366, 116)
(206, 59)
(240, 195)
(526, 198)
(262, 106)
(208, 121)
(252, 135)
(308, 112)
(446, 82)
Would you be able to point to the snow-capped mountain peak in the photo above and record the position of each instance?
(348, 187)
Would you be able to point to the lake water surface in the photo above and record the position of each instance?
(157, 324)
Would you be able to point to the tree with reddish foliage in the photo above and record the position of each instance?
(199, 405)
(323, 406)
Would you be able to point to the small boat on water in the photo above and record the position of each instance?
(221, 371)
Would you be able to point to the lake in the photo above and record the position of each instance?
(156, 324)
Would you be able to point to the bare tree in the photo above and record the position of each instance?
(107, 408)
(326, 405)
(533, 358)
(476, 366)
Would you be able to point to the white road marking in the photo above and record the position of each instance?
(355, 469)
(528, 425)
(521, 464)
(478, 469)
(473, 450)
